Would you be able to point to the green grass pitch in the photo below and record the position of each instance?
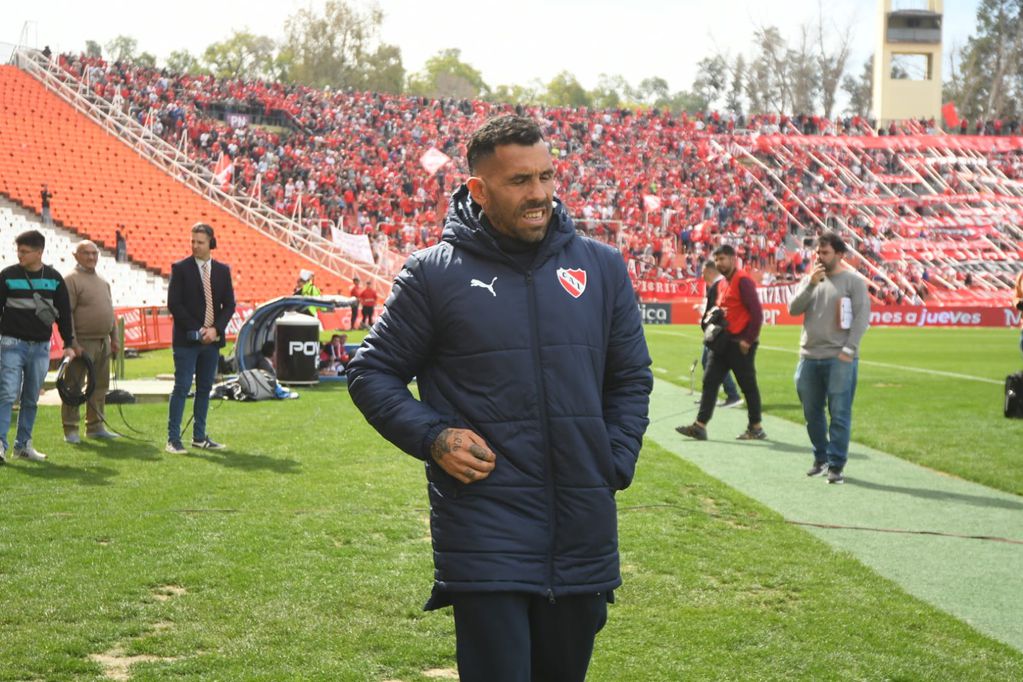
(303, 552)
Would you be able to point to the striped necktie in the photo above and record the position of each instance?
(207, 290)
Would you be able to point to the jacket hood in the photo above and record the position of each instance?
(462, 228)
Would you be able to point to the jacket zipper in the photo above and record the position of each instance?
(545, 433)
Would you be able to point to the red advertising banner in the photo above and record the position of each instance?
(922, 316)
(666, 292)
(688, 312)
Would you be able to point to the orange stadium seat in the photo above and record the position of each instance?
(99, 183)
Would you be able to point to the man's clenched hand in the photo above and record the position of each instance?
(463, 454)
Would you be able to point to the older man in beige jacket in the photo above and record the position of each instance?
(92, 310)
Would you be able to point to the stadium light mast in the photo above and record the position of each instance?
(907, 62)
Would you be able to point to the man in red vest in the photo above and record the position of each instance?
(368, 299)
(743, 316)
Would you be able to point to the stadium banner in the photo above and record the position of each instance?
(903, 246)
(683, 290)
(237, 120)
(355, 245)
(925, 200)
(689, 313)
(775, 314)
(656, 313)
(973, 143)
(922, 316)
(659, 291)
(778, 293)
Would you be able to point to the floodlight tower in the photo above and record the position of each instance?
(907, 62)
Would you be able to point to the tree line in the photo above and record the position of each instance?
(985, 76)
(340, 48)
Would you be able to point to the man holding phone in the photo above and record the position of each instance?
(835, 306)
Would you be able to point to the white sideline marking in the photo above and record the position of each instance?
(918, 370)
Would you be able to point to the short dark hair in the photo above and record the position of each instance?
(834, 241)
(724, 250)
(509, 129)
(203, 228)
(33, 239)
(709, 265)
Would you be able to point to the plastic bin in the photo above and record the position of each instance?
(297, 338)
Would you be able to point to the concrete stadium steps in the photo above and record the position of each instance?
(130, 285)
(99, 183)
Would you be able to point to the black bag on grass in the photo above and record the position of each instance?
(1014, 396)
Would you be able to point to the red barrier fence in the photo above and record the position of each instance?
(152, 328)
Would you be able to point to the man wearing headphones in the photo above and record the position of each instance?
(201, 301)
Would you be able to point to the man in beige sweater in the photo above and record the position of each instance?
(92, 310)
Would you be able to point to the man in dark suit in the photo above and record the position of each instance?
(201, 301)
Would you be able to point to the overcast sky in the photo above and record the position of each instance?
(509, 42)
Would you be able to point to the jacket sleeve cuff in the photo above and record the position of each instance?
(428, 439)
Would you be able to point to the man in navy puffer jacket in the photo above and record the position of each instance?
(534, 382)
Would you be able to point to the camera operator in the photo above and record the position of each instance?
(201, 301)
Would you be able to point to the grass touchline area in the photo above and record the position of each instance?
(303, 551)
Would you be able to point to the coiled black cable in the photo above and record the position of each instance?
(76, 394)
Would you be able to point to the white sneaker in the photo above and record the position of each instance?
(29, 452)
(3, 454)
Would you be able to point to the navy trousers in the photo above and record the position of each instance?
(514, 637)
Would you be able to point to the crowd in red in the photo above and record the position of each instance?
(665, 189)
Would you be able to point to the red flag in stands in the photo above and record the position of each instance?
(948, 112)
(223, 171)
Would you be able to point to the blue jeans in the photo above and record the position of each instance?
(199, 361)
(833, 382)
(728, 383)
(23, 366)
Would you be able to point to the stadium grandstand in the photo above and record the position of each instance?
(352, 182)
